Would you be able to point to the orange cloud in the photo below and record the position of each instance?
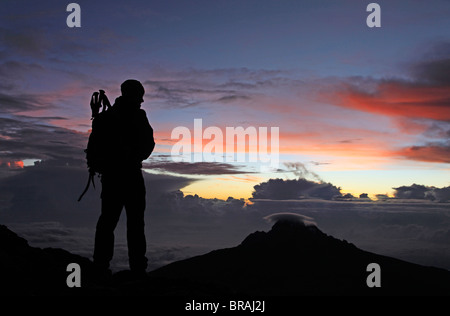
(345, 142)
(14, 164)
(245, 178)
(397, 98)
(325, 139)
(431, 153)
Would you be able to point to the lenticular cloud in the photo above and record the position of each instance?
(292, 217)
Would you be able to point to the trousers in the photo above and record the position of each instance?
(124, 189)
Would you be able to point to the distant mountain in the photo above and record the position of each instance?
(291, 259)
(297, 259)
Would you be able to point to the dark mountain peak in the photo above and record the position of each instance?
(297, 258)
(9, 240)
(291, 235)
(35, 271)
(287, 228)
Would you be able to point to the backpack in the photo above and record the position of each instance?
(120, 138)
(93, 153)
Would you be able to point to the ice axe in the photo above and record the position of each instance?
(95, 104)
(98, 100)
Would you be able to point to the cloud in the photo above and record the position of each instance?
(290, 217)
(173, 97)
(49, 191)
(179, 226)
(44, 232)
(279, 189)
(195, 168)
(424, 95)
(438, 130)
(15, 73)
(245, 178)
(435, 71)
(27, 139)
(318, 163)
(29, 42)
(176, 204)
(301, 171)
(195, 87)
(80, 240)
(435, 147)
(185, 90)
(431, 152)
(435, 68)
(21, 103)
(397, 98)
(233, 98)
(419, 104)
(416, 191)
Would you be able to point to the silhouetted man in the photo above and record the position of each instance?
(120, 140)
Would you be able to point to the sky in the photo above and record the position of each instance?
(359, 110)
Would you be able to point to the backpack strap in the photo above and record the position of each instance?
(90, 179)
